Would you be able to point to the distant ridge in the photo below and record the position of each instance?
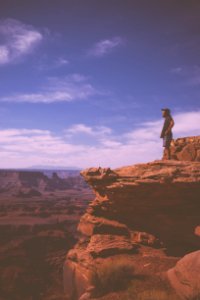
(42, 168)
(62, 173)
(53, 168)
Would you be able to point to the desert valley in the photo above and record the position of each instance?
(39, 213)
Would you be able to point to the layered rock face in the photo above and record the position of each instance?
(142, 196)
(29, 183)
(154, 205)
(186, 149)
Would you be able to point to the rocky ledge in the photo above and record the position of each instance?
(145, 210)
(186, 149)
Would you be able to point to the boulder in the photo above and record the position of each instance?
(186, 149)
(185, 276)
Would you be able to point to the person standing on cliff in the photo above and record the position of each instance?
(166, 133)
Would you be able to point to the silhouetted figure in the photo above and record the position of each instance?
(166, 133)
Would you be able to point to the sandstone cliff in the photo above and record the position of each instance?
(146, 213)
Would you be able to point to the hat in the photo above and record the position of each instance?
(166, 109)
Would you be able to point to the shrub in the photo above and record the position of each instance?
(111, 276)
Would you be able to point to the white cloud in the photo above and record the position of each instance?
(61, 61)
(95, 131)
(45, 64)
(187, 124)
(105, 46)
(79, 128)
(71, 88)
(147, 131)
(25, 147)
(18, 40)
(4, 55)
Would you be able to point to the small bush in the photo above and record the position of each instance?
(111, 276)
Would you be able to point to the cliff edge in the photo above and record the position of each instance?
(146, 215)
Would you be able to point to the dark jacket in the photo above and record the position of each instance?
(166, 124)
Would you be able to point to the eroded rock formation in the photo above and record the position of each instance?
(186, 149)
(31, 183)
(151, 207)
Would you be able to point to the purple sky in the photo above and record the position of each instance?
(82, 82)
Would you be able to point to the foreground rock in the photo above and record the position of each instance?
(185, 276)
(138, 209)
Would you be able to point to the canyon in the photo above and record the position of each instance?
(39, 214)
(127, 233)
(144, 219)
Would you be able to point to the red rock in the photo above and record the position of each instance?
(145, 238)
(197, 231)
(90, 225)
(145, 195)
(188, 153)
(153, 204)
(185, 276)
(105, 244)
(186, 149)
